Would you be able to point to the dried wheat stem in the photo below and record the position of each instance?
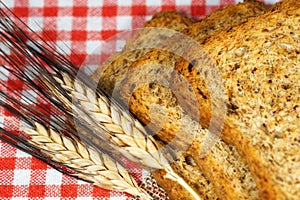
(89, 164)
(125, 132)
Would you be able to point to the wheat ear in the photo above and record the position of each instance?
(123, 130)
(90, 165)
(129, 136)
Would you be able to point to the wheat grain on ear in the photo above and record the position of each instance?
(125, 132)
(60, 85)
(90, 165)
(65, 153)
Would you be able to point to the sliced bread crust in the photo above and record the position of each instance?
(260, 63)
(235, 184)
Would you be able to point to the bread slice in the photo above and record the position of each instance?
(117, 66)
(236, 183)
(259, 62)
(109, 75)
(223, 166)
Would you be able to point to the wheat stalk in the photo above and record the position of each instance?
(129, 136)
(89, 164)
(122, 130)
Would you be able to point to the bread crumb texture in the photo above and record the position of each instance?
(260, 62)
(148, 84)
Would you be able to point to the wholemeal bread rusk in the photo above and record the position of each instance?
(259, 62)
(235, 184)
(111, 72)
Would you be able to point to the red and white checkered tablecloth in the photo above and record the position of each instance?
(78, 26)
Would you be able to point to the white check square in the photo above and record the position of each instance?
(120, 44)
(52, 198)
(94, 24)
(21, 177)
(22, 154)
(3, 72)
(183, 3)
(64, 23)
(212, 2)
(153, 2)
(36, 3)
(118, 197)
(124, 2)
(92, 47)
(29, 97)
(124, 23)
(63, 47)
(65, 3)
(36, 23)
(53, 177)
(95, 3)
(9, 3)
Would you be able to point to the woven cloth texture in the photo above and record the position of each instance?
(77, 27)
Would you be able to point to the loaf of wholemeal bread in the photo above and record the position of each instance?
(223, 166)
(109, 75)
(259, 62)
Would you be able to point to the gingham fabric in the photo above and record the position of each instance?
(77, 26)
